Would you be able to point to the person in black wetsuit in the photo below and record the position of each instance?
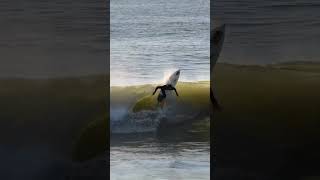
(162, 95)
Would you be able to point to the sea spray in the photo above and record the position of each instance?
(118, 113)
(149, 121)
(140, 122)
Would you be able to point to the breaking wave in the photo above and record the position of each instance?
(139, 122)
(147, 121)
(133, 110)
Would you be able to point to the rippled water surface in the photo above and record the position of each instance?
(150, 37)
(147, 157)
(44, 38)
(269, 31)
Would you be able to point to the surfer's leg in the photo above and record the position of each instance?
(162, 104)
(161, 99)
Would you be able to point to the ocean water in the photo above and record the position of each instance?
(157, 144)
(152, 37)
(269, 31)
(148, 39)
(146, 157)
(44, 38)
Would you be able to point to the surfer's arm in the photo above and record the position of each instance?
(155, 90)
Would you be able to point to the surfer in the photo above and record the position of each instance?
(162, 95)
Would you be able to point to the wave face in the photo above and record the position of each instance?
(134, 110)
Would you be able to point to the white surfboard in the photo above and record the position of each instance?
(173, 78)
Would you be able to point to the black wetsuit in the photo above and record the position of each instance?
(163, 89)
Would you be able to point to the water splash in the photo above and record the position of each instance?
(140, 122)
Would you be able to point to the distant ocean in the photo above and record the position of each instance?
(269, 31)
(152, 37)
(44, 38)
(149, 37)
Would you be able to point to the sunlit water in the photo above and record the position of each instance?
(150, 158)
